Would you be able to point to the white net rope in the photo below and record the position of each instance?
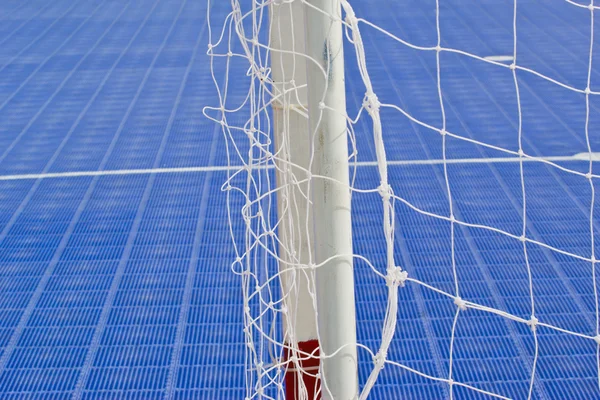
(262, 177)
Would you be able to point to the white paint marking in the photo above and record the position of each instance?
(499, 58)
(76, 174)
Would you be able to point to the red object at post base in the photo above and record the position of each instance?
(309, 366)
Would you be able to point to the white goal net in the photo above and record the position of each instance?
(466, 152)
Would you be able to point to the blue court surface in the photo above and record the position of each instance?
(119, 286)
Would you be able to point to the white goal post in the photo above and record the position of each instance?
(314, 83)
(298, 126)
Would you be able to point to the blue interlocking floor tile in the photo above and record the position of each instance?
(120, 287)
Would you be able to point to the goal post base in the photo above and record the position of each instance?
(302, 377)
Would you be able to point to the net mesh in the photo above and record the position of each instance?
(269, 205)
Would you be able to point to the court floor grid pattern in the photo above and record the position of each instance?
(119, 286)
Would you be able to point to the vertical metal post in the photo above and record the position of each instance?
(294, 149)
(331, 198)
(307, 27)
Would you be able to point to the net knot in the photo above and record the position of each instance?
(460, 303)
(597, 339)
(533, 323)
(351, 18)
(379, 359)
(396, 277)
(371, 103)
(385, 190)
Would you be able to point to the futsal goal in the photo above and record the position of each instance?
(405, 223)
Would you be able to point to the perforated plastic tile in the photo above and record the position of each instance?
(119, 287)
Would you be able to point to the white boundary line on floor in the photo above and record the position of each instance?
(76, 174)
